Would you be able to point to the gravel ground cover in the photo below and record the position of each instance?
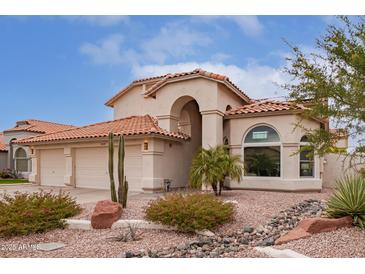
(226, 245)
(253, 208)
(90, 243)
(342, 243)
(258, 207)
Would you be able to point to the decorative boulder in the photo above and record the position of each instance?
(310, 226)
(105, 214)
(319, 225)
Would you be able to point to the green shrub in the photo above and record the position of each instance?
(190, 212)
(349, 200)
(24, 213)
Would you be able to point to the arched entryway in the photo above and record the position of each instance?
(186, 118)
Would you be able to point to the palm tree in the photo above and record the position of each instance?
(211, 166)
(231, 165)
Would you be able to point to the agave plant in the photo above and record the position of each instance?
(349, 200)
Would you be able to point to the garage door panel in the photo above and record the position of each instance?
(92, 167)
(52, 167)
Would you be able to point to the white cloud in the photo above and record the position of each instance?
(258, 81)
(249, 24)
(220, 57)
(99, 20)
(175, 40)
(107, 51)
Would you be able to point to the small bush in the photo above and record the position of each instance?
(24, 213)
(349, 200)
(10, 174)
(190, 212)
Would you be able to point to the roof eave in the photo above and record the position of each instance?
(102, 138)
(263, 113)
(24, 130)
(193, 76)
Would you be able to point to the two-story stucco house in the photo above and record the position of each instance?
(165, 120)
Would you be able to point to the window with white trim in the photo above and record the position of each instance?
(21, 160)
(261, 152)
(306, 164)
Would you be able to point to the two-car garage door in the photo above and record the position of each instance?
(91, 167)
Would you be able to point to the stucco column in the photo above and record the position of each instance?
(168, 122)
(34, 176)
(290, 161)
(152, 151)
(212, 128)
(69, 177)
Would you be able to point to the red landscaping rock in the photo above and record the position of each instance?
(318, 225)
(310, 226)
(105, 214)
(295, 234)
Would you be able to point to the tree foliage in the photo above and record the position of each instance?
(331, 80)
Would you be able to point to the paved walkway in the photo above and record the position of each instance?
(82, 195)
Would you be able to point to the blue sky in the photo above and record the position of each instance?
(64, 68)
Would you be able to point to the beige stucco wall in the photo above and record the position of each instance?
(290, 138)
(164, 159)
(211, 97)
(209, 94)
(336, 166)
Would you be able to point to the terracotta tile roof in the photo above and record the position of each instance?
(38, 126)
(2, 144)
(134, 125)
(159, 81)
(266, 106)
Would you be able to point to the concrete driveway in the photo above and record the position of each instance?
(82, 195)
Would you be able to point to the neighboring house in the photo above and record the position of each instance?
(18, 156)
(165, 120)
(3, 153)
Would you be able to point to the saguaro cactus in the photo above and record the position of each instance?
(125, 193)
(111, 167)
(122, 181)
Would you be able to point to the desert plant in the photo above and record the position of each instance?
(231, 165)
(211, 166)
(131, 235)
(24, 213)
(113, 193)
(10, 174)
(348, 199)
(190, 212)
(122, 180)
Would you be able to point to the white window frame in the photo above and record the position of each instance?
(261, 144)
(29, 168)
(301, 144)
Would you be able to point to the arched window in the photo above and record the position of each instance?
(21, 160)
(306, 165)
(261, 152)
(228, 107)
